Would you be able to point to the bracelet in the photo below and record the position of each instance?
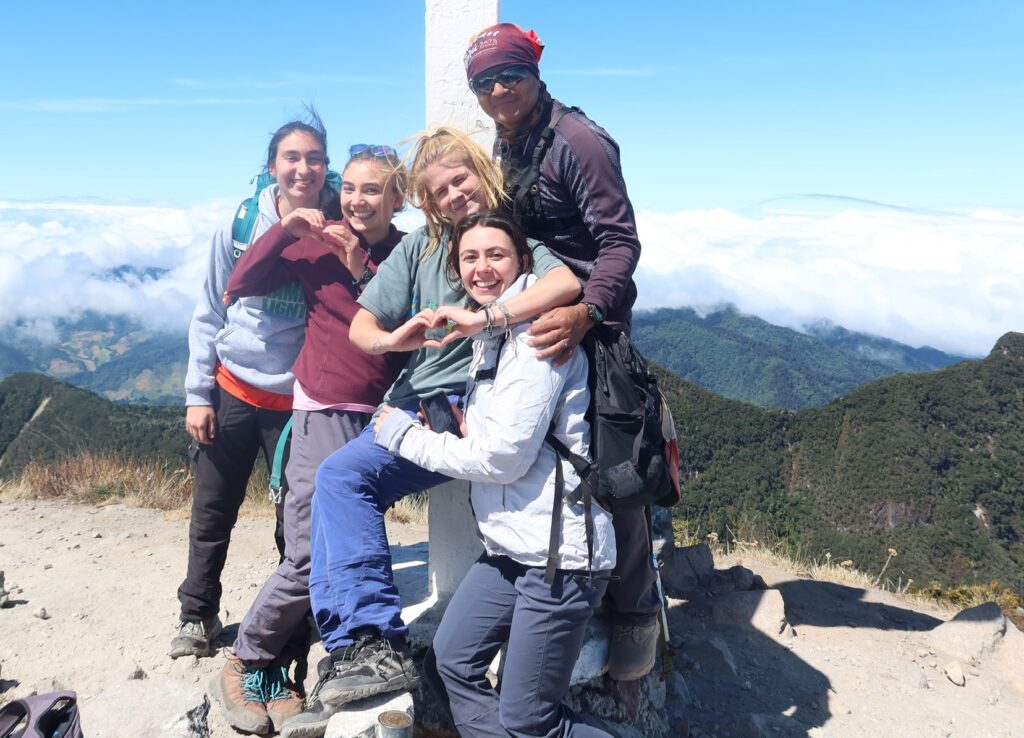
(505, 314)
(364, 279)
(488, 321)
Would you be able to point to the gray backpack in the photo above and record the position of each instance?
(53, 715)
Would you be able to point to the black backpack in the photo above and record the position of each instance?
(633, 440)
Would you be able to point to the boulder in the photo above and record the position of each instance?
(763, 611)
(972, 635)
(687, 569)
(734, 579)
(173, 709)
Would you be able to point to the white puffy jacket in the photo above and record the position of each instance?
(504, 455)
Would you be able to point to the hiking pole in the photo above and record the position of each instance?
(666, 651)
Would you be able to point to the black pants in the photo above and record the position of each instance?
(220, 474)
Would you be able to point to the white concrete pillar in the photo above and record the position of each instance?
(450, 23)
(454, 544)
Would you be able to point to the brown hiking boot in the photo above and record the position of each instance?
(282, 699)
(632, 651)
(239, 690)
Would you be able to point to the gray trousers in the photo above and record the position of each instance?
(501, 601)
(282, 603)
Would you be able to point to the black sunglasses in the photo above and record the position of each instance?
(509, 77)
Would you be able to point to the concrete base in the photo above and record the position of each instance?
(359, 720)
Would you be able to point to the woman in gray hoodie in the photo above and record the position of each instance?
(238, 388)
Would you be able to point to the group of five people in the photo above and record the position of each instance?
(352, 365)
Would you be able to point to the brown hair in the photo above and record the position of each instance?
(486, 219)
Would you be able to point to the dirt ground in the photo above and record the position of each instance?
(858, 664)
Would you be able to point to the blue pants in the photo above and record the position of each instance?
(501, 601)
(350, 583)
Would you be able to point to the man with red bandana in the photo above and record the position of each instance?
(579, 208)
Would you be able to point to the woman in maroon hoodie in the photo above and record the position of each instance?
(337, 388)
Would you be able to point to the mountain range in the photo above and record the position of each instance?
(928, 465)
(743, 357)
(737, 356)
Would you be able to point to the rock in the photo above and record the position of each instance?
(972, 635)
(711, 656)
(955, 673)
(136, 673)
(47, 566)
(5, 598)
(42, 614)
(687, 569)
(173, 709)
(734, 579)
(359, 719)
(97, 534)
(762, 611)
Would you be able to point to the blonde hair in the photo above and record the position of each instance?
(438, 144)
(396, 177)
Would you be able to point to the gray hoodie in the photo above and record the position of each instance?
(257, 338)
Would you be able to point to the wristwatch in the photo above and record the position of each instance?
(594, 312)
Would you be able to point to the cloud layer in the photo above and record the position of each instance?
(953, 281)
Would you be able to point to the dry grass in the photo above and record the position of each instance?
(104, 479)
(98, 480)
(411, 509)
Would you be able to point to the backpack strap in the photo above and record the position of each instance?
(249, 209)
(583, 468)
(524, 191)
(278, 466)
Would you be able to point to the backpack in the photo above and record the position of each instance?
(241, 235)
(245, 217)
(524, 185)
(633, 441)
(53, 715)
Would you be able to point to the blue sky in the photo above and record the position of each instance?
(765, 111)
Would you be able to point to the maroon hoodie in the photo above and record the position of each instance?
(331, 369)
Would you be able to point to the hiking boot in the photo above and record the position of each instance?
(370, 666)
(632, 651)
(281, 698)
(195, 638)
(312, 723)
(239, 689)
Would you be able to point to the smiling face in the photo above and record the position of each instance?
(300, 168)
(368, 201)
(511, 106)
(488, 263)
(454, 188)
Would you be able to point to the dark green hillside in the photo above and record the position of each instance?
(745, 358)
(74, 420)
(897, 356)
(929, 464)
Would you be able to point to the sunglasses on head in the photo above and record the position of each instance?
(509, 77)
(374, 149)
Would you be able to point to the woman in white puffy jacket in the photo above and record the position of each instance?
(512, 401)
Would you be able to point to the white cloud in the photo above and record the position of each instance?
(953, 281)
(53, 257)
